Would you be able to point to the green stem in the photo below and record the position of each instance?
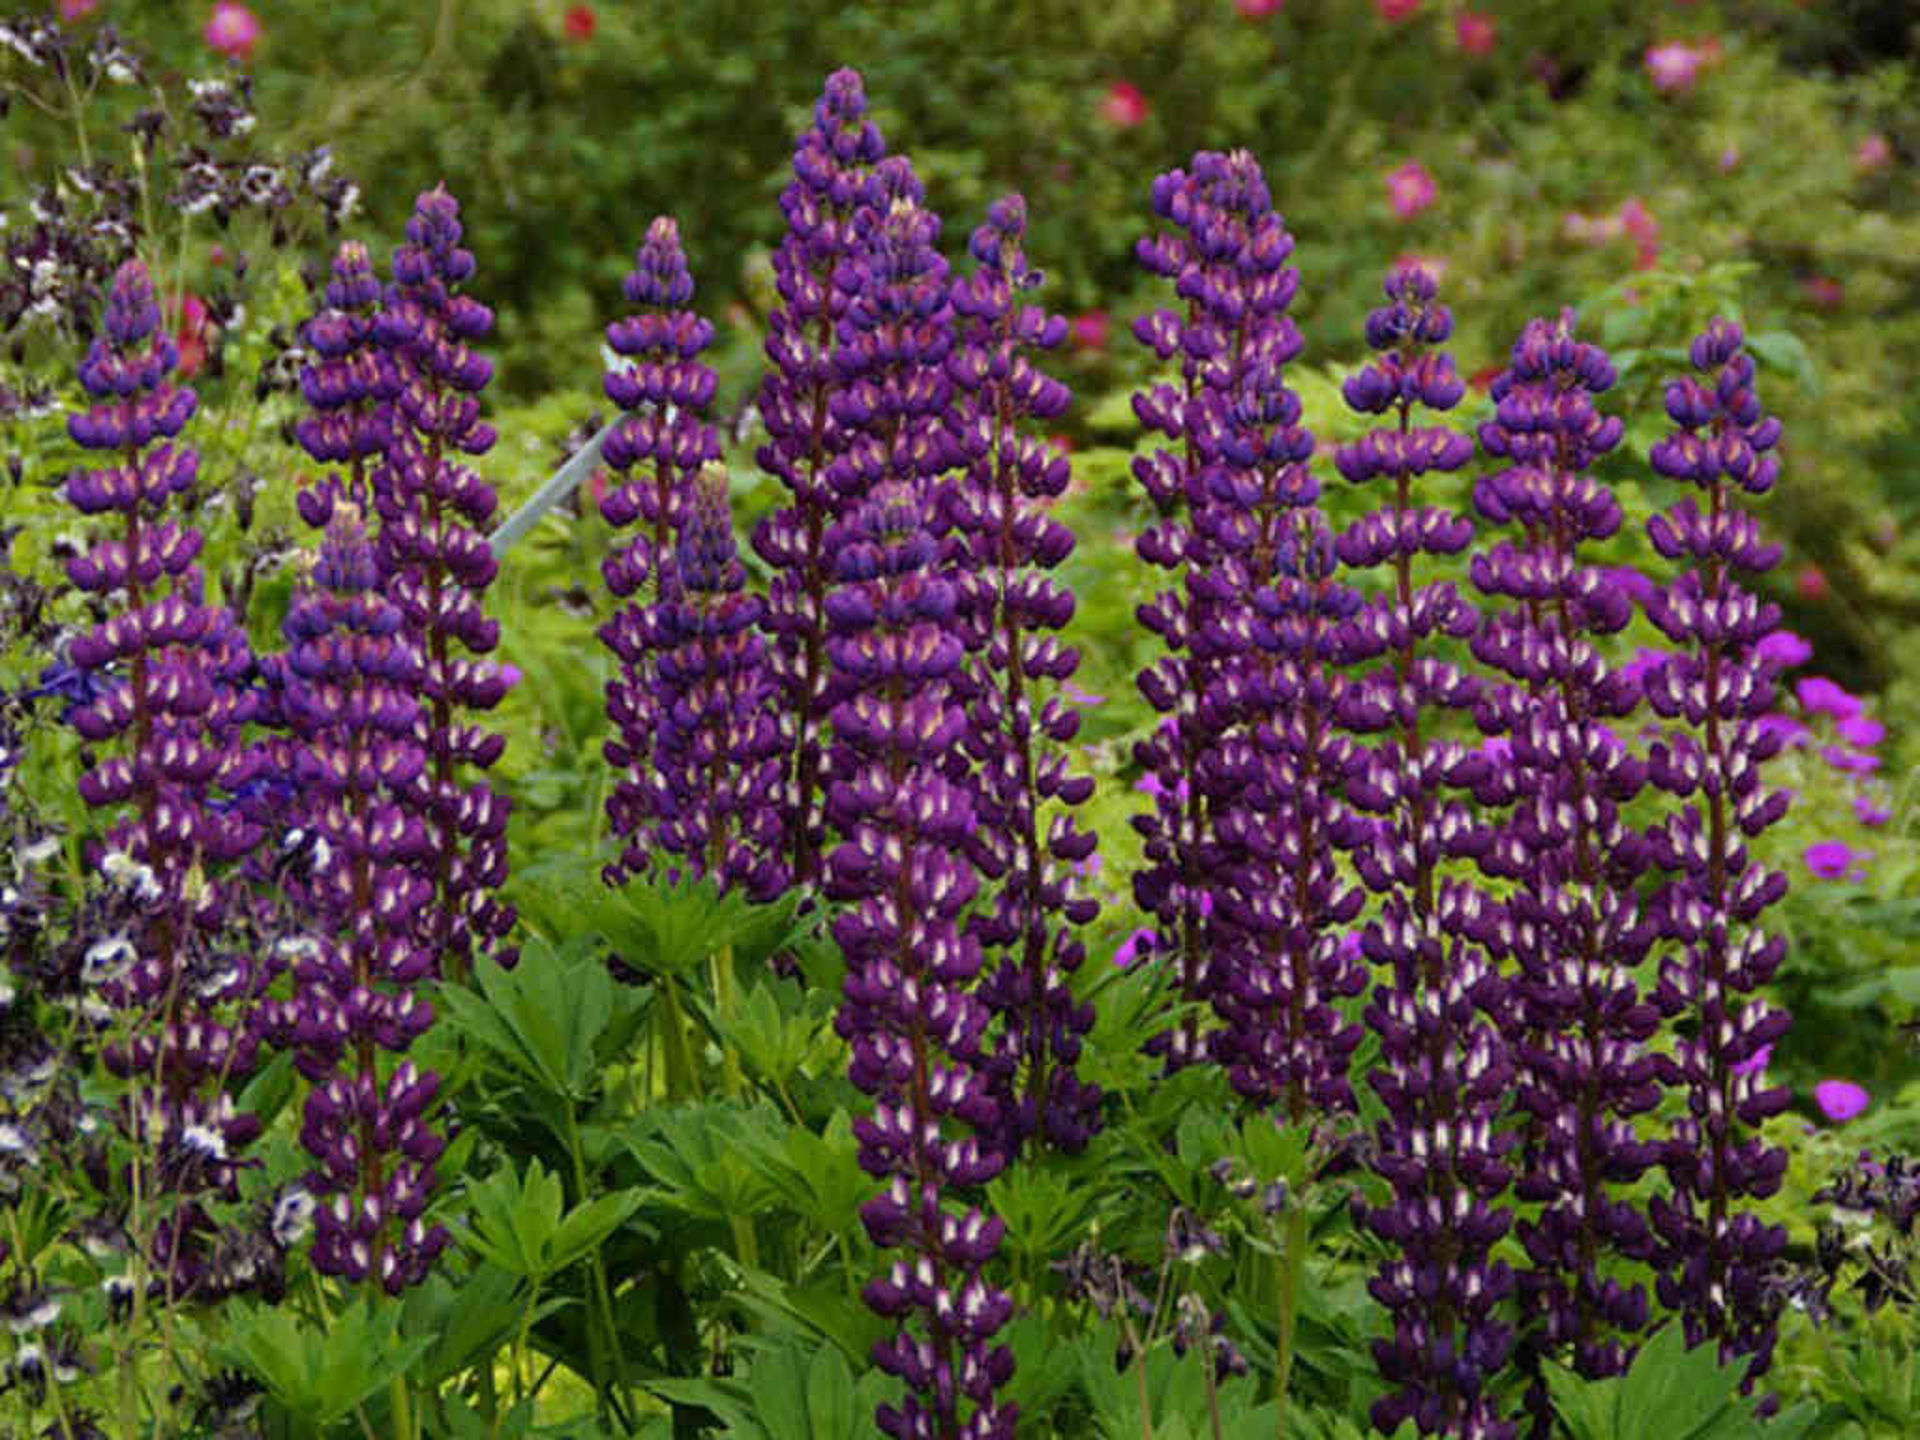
(602, 1294)
(520, 1353)
(1292, 1261)
(721, 962)
(402, 1408)
(676, 1052)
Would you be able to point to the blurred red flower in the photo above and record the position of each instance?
(1123, 106)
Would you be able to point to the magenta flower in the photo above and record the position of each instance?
(1258, 9)
(1130, 948)
(233, 30)
(1861, 731)
(1871, 810)
(1790, 730)
(1850, 762)
(1835, 860)
(1840, 1100)
(1410, 189)
(71, 10)
(1123, 106)
(1090, 328)
(1394, 11)
(1785, 649)
(1476, 34)
(1079, 696)
(1673, 67)
(1820, 696)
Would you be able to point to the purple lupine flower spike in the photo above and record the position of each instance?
(903, 880)
(1007, 607)
(350, 387)
(1440, 1012)
(1714, 693)
(351, 676)
(660, 444)
(1575, 925)
(832, 168)
(1221, 497)
(714, 770)
(163, 705)
(434, 557)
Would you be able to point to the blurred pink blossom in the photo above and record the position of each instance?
(1089, 330)
(1824, 291)
(1258, 9)
(1410, 189)
(1394, 11)
(1810, 583)
(1123, 106)
(1840, 1100)
(1729, 158)
(71, 10)
(1874, 152)
(1476, 34)
(233, 30)
(1673, 67)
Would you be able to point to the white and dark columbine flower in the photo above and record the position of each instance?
(1713, 694)
(832, 180)
(1443, 1008)
(1575, 925)
(1003, 543)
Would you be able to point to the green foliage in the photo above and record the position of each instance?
(1671, 1391)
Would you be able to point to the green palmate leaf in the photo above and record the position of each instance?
(1044, 1211)
(469, 1320)
(542, 1017)
(517, 1222)
(701, 1160)
(818, 1175)
(776, 1042)
(1669, 1391)
(320, 1375)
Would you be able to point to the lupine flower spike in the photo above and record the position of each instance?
(661, 442)
(164, 709)
(351, 677)
(1575, 926)
(1220, 495)
(902, 880)
(1007, 605)
(1441, 1009)
(350, 388)
(436, 566)
(1714, 692)
(832, 168)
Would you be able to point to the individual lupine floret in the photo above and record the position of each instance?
(349, 684)
(714, 769)
(349, 386)
(164, 698)
(1445, 1068)
(902, 880)
(1713, 693)
(436, 565)
(1007, 607)
(1221, 497)
(660, 444)
(832, 169)
(1574, 923)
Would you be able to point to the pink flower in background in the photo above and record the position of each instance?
(1123, 106)
(1673, 67)
(1638, 222)
(1089, 330)
(1874, 152)
(1836, 860)
(1821, 696)
(1476, 34)
(233, 30)
(1840, 1100)
(579, 22)
(1410, 189)
(71, 10)
(1434, 265)
(1394, 11)
(1258, 9)
(191, 337)
(1785, 649)
(1824, 291)
(1810, 583)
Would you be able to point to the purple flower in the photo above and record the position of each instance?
(1861, 731)
(1711, 696)
(1872, 810)
(1574, 921)
(1835, 860)
(806, 437)
(436, 566)
(349, 386)
(1140, 942)
(1785, 650)
(901, 879)
(1755, 1063)
(1840, 1100)
(1009, 609)
(1442, 1009)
